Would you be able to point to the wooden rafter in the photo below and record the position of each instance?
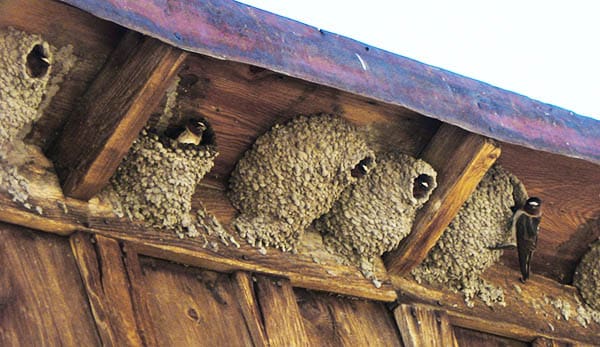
(423, 326)
(461, 159)
(532, 310)
(113, 111)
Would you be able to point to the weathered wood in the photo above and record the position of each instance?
(467, 337)
(333, 320)
(570, 191)
(461, 159)
(190, 306)
(423, 326)
(244, 291)
(90, 39)
(531, 311)
(42, 299)
(280, 312)
(543, 342)
(140, 298)
(112, 113)
(100, 263)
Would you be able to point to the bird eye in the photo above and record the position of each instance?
(421, 185)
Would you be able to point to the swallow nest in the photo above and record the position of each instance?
(462, 253)
(292, 175)
(374, 215)
(587, 276)
(27, 84)
(156, 181)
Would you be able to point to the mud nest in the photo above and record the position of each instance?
(462, 253)
(156, 181)
(292, 175)
(587, 276)
(374, 215)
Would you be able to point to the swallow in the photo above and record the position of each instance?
(525, 225)
(190, 133)
(362, 168)
(421, 186)
(37, 62)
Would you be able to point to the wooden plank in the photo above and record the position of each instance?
(544, 342)
(333, 320)
(190, 306)
(112, 113)
(531, 311)
(461, 159)
(90, 39)
(244, 291)
(570, 193)
(280, 312)
(422, 326)
(42, 299)
(140, 297)
(468, 337)
(100, 263)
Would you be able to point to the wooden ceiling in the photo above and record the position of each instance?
(243, 101)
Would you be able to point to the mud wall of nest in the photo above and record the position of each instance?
(462, 253)
(587, 276)
(292, 175)
(31, 71)
(374, 215)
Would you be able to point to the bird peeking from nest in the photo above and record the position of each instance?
(190, 133)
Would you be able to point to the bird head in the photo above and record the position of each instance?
(533, 206)
(421, 186)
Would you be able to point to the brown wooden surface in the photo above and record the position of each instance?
(528, 314)
(113, 111)
(244, 291)
(461, 159)
(570, 191)
(61, 25)
(543, 342)
(281, 316)
(423, 326)
(190, 306)
(468, 338)
(242, 102)
(42, 299)
(333, 320)
(100, 263)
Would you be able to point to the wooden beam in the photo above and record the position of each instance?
(422, 326)
(461, 159)
(112, 113)
(532, 310)
(544, 342)
(244, 291)
(281, 315)
(312, 268)
(100, 263)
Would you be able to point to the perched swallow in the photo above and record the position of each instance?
(362, 168)
(191, 133)
(525, 225)
(422, 185)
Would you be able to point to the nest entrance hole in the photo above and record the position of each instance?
(422, 185)
(362, 168)
(37, 62)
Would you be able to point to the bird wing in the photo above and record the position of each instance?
(527, 232)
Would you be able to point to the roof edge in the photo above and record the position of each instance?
(229, 30)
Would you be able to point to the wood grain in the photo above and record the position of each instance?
(100, 263)
(333, 320)
(543, 342)
(423, 326)
(281, 316)
(190, 306)
(113, 111)
(570, 191)
(467, 337)
(461, 159)
(244, 291)
(91, 39)
(242, 102)
(529, 312)
(42, 299)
